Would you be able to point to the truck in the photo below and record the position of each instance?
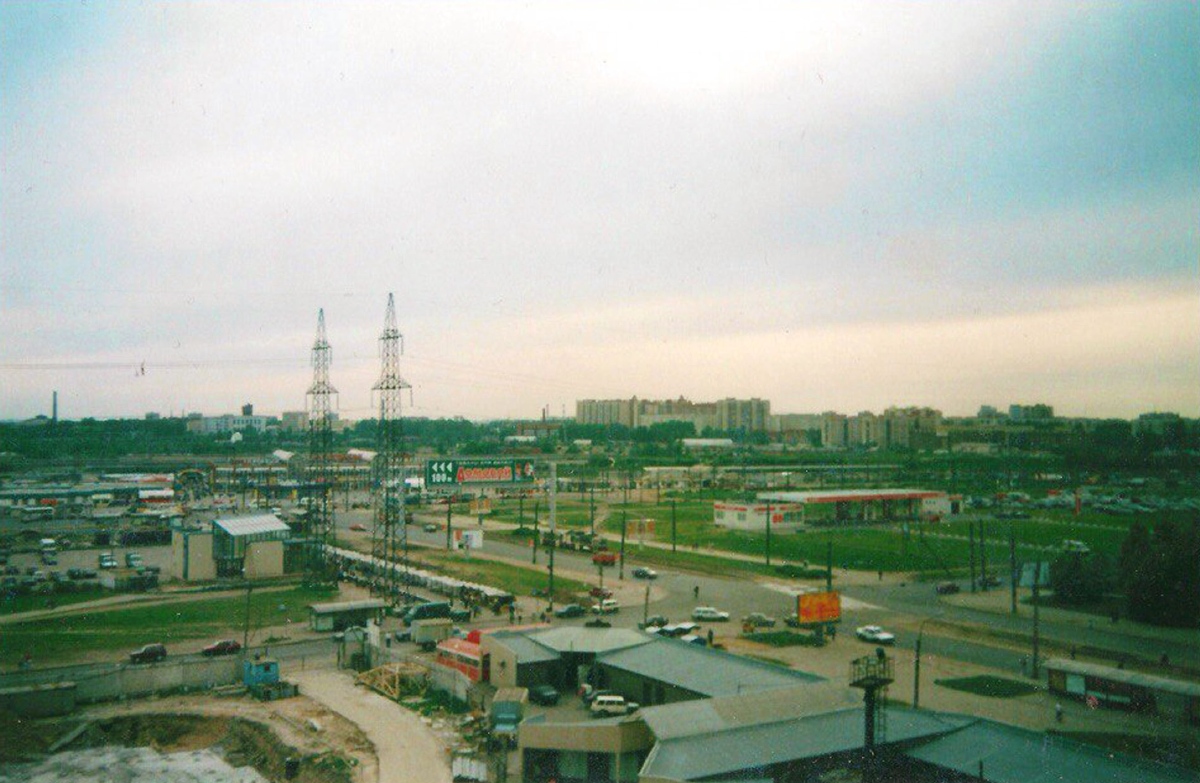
(428, 632)
(507, 710)
(133, 560)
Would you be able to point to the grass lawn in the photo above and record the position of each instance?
(182, 625)
(987, 685)
(783, 639)
(29, 603)
(518, 580)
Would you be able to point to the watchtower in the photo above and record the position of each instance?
(873, 674)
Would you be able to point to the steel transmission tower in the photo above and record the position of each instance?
(389, 536)
(317, 567)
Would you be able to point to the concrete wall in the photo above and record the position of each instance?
(264, 559)
(103, 683)
(192, 556)
(39, 701)
(503, 662)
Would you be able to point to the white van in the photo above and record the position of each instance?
(611, 704)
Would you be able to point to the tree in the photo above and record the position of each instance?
(1080, 577)
(1160, 573)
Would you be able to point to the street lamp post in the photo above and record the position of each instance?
(917, 665)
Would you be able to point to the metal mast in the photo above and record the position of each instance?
(389, 536)
(317, 569)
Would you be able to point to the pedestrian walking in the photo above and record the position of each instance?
(696, 592)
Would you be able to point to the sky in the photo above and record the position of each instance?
(833, 206)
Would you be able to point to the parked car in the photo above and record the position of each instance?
(600, 592)
(106, 560)
(792, 620)
(148, 654)
(709, 614)
(874, 634)
(947, 588)
(758, 620)
(604, 557)
(546, 695)
(570, 610)
(431, 528)
(223, 647)
(358, 527)
(679, 629)
(641, 572)
(612, 705)
(654, 621)
(607, 606)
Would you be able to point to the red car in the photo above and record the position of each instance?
(223, 647)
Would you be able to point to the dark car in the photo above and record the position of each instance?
(641, 572)
(545, 695)
(570, 610)
(148, 654)
(654, 621)
(223, 647)
(947, 588)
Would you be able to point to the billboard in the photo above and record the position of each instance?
(459, 472)
(819, 607)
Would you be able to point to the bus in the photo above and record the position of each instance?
(462, 656)
(34, 513)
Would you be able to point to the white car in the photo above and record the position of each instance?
(874, 634)
(709, 613)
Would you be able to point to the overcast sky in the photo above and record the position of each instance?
(832, 206)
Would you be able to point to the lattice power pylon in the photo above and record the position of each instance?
(389, 536)
(320, 398)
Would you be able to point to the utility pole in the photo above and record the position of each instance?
(449, 521)
(621, 565)
(537, 533)
(1037, 577)
(553, 520)
(1012, 566)
(983, 574)
(672, 524)
(521, 511)
(971, 536)
(768, 534)
(829, 566)
(592, 511)
(646, 605)
(246, 627)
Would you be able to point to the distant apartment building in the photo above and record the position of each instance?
(895, 428)
(751, 415)
(1038, 412)
(214, 425)
(1167, 425)
(293, 421)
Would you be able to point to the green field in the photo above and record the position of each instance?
(183, 625)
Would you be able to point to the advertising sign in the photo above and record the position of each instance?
(819, 607)
(459, 472)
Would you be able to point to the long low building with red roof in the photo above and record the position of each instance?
(790, 510)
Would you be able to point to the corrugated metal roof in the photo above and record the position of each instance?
(526, 649)
(703, 670)
(850, 495)
(682, 719)
(1124, 675)
(751, 747)
(249, 526)
(1013, 755)
(581, 639)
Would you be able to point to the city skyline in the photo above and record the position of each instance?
(834, 207)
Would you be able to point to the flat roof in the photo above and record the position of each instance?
(348, 606)
(526, 649)
(1114, 674)
(850, 495)
(581, 639)
(254, 525)
(703, 670)
(1008, 754)
(757, 746)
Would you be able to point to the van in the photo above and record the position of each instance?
(611, 704)
(427, 611)
(607, 606)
